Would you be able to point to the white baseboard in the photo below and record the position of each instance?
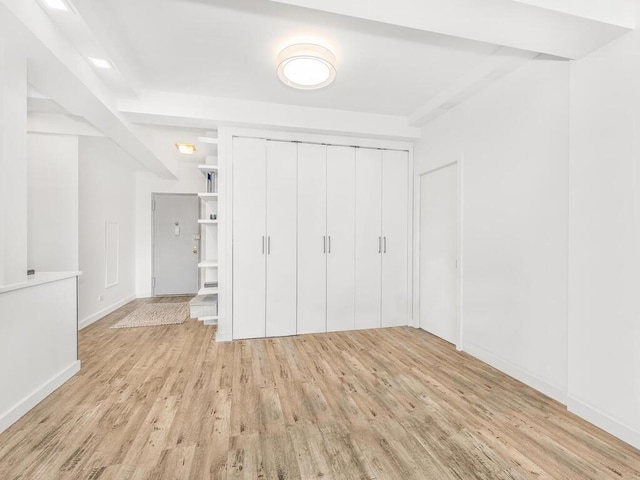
(222, 337)
(104, 312)
(604, 421)
(13, 415)
(517, 372)
(144, 295)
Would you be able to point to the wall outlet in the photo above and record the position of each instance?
(100, 298)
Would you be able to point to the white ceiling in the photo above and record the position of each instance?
(201, 64)
(228, 48)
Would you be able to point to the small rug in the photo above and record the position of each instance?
(154, 314)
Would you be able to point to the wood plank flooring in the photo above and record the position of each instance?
(169, 403)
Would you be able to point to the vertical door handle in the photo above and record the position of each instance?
(324, 244)
(385, 244)
(269, 245)
(379, 244)
(329, 243)
(263, 244)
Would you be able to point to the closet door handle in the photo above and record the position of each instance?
(324, 244)
(263, 244)
(269, 245)
(329, 243)
(379, 244)
(385, 244)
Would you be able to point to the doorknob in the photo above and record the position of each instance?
(195, 249)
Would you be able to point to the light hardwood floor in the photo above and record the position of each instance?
(169, 403)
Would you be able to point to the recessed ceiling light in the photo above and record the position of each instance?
(60, 5)
(306, 66)
(101, 63)
(186, 148)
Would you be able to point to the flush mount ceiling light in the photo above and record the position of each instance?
(186, 148)
(59, 5)
(101, 63)
(306, 66)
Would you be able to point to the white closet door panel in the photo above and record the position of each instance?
(281, 238)
(312, 238)
(249, 231)
(395, 213)
(368, 237)
(341, 177)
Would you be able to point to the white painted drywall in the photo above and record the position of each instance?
(52, 202)
(38, 344)
(604, 239)
(13, 166)
(107, 194)
(190, 180)
(513, 140)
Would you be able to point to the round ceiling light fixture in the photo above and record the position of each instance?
(306, 66)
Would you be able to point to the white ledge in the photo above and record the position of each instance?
(39, 279)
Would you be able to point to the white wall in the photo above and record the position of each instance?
(107, 193)
(190, 180)
(38, 342)
(513, 138)
(52, 202)
(604, 239)
(13, 165)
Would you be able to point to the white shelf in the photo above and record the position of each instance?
(207, 168)
(208, 291)
(208, 264)
(209, 145)
(209, 320)
(208, 196)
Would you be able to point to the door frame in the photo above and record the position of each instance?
(153, 239)
(459, 162)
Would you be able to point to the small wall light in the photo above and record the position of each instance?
(186, 148)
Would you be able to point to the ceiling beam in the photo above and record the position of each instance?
(58, 124)
(60, 73)
(615, 12)
(571, 31)
(501, 63)
(193, 111)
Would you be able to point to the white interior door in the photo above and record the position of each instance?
(282, 160)
(341, 177)
(368, 238)
(438, 253)
(395, 252)
(312, 238)
(249, 237)
(175, 254)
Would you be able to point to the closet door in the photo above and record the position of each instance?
(341, 177)
(249, 237)
(395, 221)
(368, 237)
(281, 238)
(312, 238)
